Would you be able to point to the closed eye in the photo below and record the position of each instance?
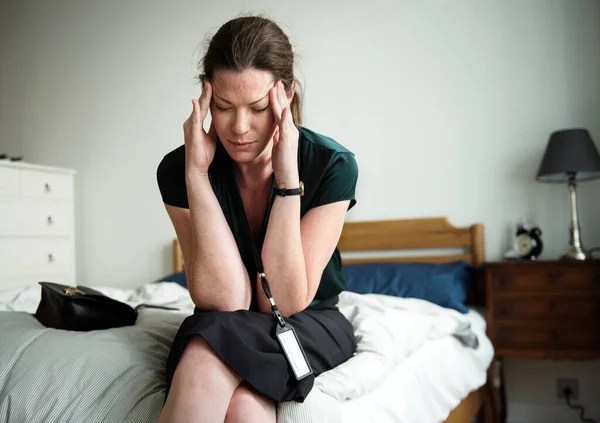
(221, 108)
(261, 110)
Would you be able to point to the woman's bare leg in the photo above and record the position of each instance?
(202, 386)
(248, 406)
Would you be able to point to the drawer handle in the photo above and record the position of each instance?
(50, 221)
(47, 187)
(552, 306)
(50, 258)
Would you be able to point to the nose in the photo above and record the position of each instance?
(241, 123)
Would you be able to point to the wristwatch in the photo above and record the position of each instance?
(285, 192)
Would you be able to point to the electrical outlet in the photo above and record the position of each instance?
(571, 383)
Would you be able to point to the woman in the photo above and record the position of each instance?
(223, 192)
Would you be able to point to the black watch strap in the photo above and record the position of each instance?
(294, 191)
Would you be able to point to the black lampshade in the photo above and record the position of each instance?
(570, 152)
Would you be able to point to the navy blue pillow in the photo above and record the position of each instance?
(178, 278)
(446, 285)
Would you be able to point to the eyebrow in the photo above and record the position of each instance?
(251, 104)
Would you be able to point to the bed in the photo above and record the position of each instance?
(439, 242)
(117, 375)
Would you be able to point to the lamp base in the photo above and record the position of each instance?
(575, 253)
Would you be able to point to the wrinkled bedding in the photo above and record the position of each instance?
(117, 375)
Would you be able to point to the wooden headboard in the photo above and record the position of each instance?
(387, 236)
(373, 241)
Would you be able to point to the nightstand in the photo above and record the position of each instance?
(542, 309)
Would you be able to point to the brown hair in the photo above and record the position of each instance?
(253, 42)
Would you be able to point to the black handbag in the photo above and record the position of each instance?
(82, 309)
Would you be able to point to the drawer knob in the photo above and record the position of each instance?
(50, 258)
(47, 187)
(50, 220)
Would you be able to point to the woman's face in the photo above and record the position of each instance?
(241, 112)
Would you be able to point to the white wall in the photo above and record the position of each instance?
(447, 105)
(10, 140)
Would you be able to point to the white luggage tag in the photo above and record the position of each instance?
(286, 335)
(293, 351)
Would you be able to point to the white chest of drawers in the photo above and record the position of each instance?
(37, 224)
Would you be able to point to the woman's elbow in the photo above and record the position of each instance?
(217, 300)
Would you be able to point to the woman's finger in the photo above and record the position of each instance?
(195, 107)
(281, 95)
(205, 98)
(285, 104)
(283, 126)
(274, 101)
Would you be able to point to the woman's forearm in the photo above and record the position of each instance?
(283, 258)
(218, 279)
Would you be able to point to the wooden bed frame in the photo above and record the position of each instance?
(385, 236)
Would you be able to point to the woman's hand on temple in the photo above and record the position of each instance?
(285, 140)
(200, 146)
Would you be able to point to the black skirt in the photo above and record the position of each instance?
(245, 340)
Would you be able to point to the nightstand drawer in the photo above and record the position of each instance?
(546, 306)
(546, 280)
(546, 336)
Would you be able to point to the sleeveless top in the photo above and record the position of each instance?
(329, 173)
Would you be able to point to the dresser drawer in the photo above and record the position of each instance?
(47, 218)
(9, 181)
(546, 280)
(20, 216)
(546, 336)
(52, 255)
(546, 306)
(35, 183)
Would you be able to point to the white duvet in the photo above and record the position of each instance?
(390, 331)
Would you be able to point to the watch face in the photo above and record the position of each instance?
(524, 244)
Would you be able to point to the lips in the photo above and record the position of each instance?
(241, 144)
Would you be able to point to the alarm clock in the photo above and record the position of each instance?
(528, 243)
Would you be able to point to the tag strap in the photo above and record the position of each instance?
(276, 314)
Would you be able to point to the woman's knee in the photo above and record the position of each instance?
(200, 360)
(246, 405)
(201, 366)
(198, 350)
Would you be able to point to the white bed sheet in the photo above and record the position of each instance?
(429, 383)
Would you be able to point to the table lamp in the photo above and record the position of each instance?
(571, 157)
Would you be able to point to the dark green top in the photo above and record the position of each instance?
(329, 173)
